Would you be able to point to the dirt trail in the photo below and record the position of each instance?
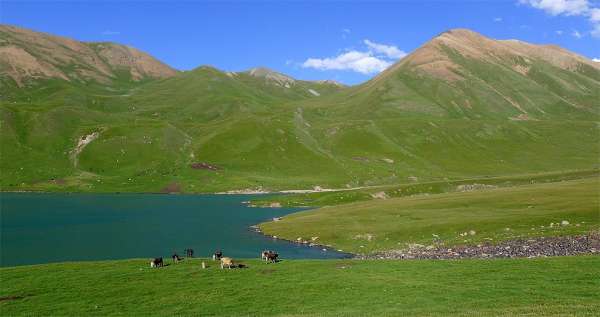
(81, 144)
(317, 189)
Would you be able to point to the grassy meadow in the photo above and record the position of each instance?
(345, 196)
(494, 214)
(565, 286)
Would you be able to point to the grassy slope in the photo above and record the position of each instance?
(550, 286)
(331, 198)
(278, 150)
(394, 223)
(278, 138)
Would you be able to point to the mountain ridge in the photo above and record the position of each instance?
(26, 54)
(452, 109)
(127, 56)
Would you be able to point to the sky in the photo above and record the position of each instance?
(347, 41)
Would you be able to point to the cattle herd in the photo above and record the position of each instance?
(226, 262)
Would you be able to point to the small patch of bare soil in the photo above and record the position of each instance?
(172, 188)
(12, 297)
(204, 166)
(58, 181)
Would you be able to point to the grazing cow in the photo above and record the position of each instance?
(189, 253)
(157, 262)
(226, 262)
(263, 255)
(270, 256)
(176, 258)
(218, 255)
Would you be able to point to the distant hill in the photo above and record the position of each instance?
(102, 117)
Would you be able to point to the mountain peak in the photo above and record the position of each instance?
(434, 57)
(27, 54)
(330, 82)
(271, 75)
(461, 33)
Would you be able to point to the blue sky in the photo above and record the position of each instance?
(349, 41)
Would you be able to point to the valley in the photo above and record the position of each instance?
(437, 114)
(463, 179)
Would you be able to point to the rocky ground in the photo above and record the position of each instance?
(538, 247)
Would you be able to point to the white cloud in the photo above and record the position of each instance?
(559, 32)
(595, 15)
(576, 34)
(498, 19)
(389, 50)
(374, 59)
(362, 62)
(558, 7)
(597, 60)
(586, 8)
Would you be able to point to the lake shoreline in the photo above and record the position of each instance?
(54, 227)
(312, 244)
(229, 192)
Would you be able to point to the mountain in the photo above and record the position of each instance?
(27, 55)
(460, 106)
(462, 74)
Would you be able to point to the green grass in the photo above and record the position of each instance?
(395, 223)
(263, 135)
(566, 286)
(319, 199)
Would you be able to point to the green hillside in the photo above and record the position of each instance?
(442, 113)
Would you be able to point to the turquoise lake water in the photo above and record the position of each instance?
(43, 228)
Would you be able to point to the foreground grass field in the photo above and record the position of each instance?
(565, 286)
(494, 215)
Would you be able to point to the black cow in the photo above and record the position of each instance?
(217, 255)
(156, 262)
(176, 258)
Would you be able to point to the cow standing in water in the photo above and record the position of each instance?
(189, 253)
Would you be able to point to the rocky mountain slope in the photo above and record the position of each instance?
(28, 55)
(462, 105)
(462, 74)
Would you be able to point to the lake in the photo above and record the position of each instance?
(42, 228)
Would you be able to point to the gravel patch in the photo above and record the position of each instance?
(529, 248)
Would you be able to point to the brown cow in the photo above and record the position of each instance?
(226, 262)
(269, 256)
